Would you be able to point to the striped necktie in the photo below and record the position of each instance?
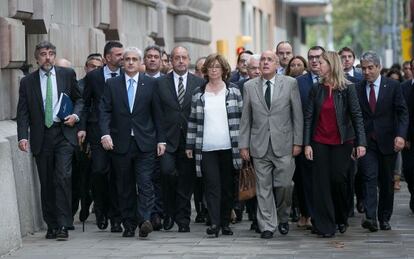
(181, 91)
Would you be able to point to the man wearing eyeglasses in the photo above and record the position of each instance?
(240, 73)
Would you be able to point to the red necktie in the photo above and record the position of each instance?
(372, 100)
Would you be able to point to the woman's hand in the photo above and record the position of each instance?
(189, 153)
(308, 152)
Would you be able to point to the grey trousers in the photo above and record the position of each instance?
(273, 182)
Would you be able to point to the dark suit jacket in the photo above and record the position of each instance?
(240, 85)
(30, 108)
(175, 117)
(357, 75)
(115, 118)
(408, 94)
(391, 115)
(305, 84)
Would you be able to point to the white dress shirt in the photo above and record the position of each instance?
(177, 80)
(377, 84)
(272, 86)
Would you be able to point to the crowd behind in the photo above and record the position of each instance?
(325, 137)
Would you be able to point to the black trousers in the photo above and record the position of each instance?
(378, 171)
(217, 168)
(199, 203)
(81, 172)
(330, 185)
(178, 177)
(408, 168)
(156, 182)
(133, 171)
(303, 184)
(54, 166)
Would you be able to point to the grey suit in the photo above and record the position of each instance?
(270, 135)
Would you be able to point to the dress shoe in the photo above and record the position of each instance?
(283, 228)
(145, 229)
(62, 234)
(116, 227)
(239, 215)
(213, 230)
(156, 222)
(183, 229)
(200, 218)
(314, 231)
(385, 225)
(71, 227)
(266, 234)
(329, 235)
(226, 230)
(128, 232)
(360, 206)
(342, 228)
(168, 223)
(370, 224)
(254, 225)
(83, 214)
(101, 220)
(51, 233)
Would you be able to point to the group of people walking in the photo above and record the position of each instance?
(153, 129)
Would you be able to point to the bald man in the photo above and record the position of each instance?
(271, 130)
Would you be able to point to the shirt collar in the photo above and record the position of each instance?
(177, 76)
(134, 77)
(272, 80)
(376, 83)
(43, 73)
(108, 71)
(158, 74)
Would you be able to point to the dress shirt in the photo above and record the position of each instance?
(135, 84)
(158, 74)
(272, 86)
(315, 78)
(43, 86)
(281, 70)
(377, 84)
(350, 72)
(107, 72)
(177, 80)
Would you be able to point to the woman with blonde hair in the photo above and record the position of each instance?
(333, 127)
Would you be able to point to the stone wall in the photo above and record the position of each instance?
(77, 28)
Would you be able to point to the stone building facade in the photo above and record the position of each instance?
(77, 28)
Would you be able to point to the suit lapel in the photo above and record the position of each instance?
(188, 90)
(60, 81)
(381, 92)
(364, 98)
(123, 91)
(259, 92)
(277, 89)
(139, 88)
(171, 86)
(37, 90)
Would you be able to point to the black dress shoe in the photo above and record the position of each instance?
(101, 220)
(116, 227)
(51, 233)
(213, 230)
(329, 235)
(128, 232)
(200, 218)
(71, 227)
(62, 234)
(145, 229)
(360, 206)
(385, 225)
(342, 228)
(226, 230)
(183, 229)
(283, 228)
(266, 234)
(156, 222)
(83, 214)
(370, 224)
(314, 231)
(254, 225)
(168, 223)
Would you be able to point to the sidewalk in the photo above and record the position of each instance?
(355, 243)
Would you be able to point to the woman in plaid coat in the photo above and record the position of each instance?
(213, 132)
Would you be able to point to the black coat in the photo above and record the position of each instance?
(30, 108)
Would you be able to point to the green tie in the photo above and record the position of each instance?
(49, 102)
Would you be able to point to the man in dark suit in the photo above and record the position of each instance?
(52, 140)
(130, 123)
(386, 122)
(102, 180)
(408, 151)
(174, 91)
(348, 58)
(240, 73)
(303, 168)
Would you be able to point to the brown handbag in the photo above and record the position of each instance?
(247, 182)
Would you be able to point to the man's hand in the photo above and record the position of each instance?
(24, 145)
(70, 120)
(161, 149)
(245, 154)
(81, 137)
(189, 153)
(360, 151)
(107, 143)
(296, 150)
(399, 143)
(308, 152)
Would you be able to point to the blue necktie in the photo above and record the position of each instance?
(131, 93)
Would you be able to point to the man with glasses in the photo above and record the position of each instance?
(240, 73)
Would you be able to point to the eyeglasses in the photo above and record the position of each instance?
(311, 58)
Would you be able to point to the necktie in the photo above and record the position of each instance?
(131, 93)
(267, 94)
(316, 79)
(114, 74)
(372, 100)
(49, 102)
(181, 90)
